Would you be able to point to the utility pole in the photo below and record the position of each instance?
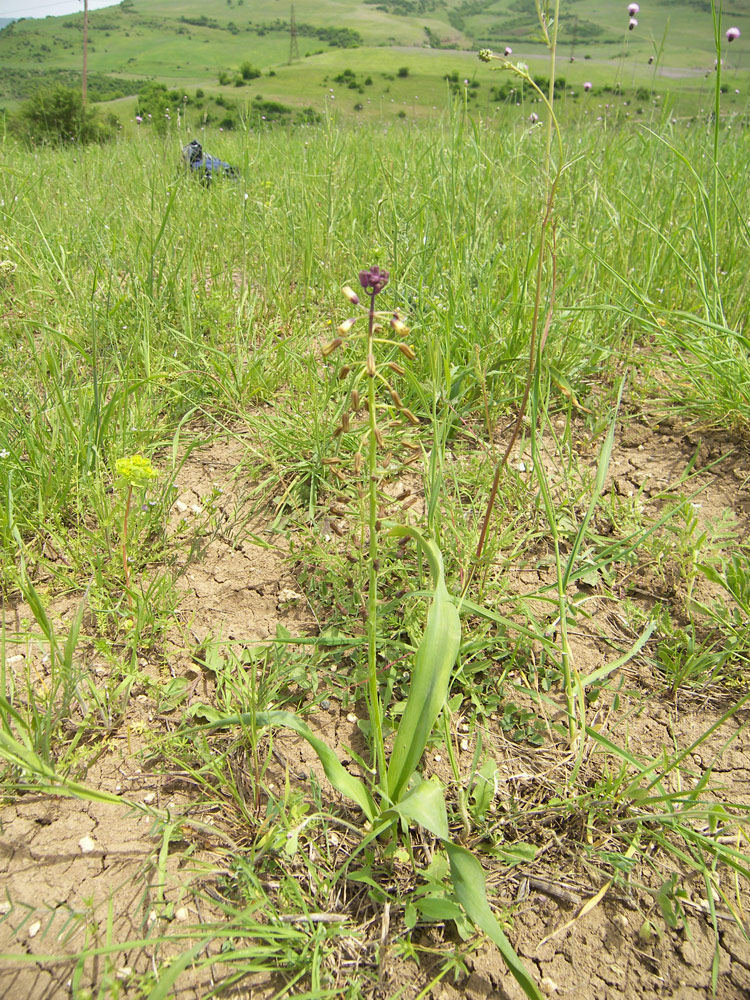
(85, 50)
(293, 43)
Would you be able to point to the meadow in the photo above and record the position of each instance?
(375, 635)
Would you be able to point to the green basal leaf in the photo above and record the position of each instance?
(431, 673)
(469, 886)
(335, 771)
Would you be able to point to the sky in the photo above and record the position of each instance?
(41, 8)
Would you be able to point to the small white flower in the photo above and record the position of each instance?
(4, 453)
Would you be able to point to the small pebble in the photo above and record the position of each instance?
(35, 928)
(437, 758)
(149, 798)
(464, 744)
(351, 717)
(87, 845)
(334, 838)
(124, 973)
(181, 914)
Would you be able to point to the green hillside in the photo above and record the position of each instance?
(202, 44)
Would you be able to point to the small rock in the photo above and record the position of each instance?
(287, 596)
(182, 914)
(149, 798)
(125, 972)
(549, 984)
(180, 507)
(196, 509)
(351, 717)
(437, 758)
(87, 845)
(464, 744)
(35, 928)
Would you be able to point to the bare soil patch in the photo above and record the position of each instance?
(80, 874)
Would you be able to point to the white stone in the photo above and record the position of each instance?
(87, 845)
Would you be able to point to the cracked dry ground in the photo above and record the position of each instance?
(78, 874)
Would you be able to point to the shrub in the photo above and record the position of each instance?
(248, 71)
(404, 71)
(56, 114)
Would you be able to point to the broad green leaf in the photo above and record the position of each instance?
(469, 886)
(424, 803)
(335, 771)
(431, 673)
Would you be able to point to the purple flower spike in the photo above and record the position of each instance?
(373, 280)
(733, 34)
(633, 9)
(632, 23)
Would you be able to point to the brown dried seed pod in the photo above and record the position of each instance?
(330, 348)
(409, 503)
(345, 421)
(379, 438)
(338, 511)
(408, 351)
(397, 401)
(355, 400)
(344, 371)
(397, 368)
(331, 461)
(358, 463)
(410, 417)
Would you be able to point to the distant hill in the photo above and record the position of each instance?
(204, 44)
(5, 20)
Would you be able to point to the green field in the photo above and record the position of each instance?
(167, 41)
(371, 636)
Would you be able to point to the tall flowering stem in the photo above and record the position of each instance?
(373, 282)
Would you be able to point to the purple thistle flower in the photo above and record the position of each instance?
(587, 85)
(732, 34)
(632, 23)
(373, 280)
(633, 9)
(508, 51)
(533, 118)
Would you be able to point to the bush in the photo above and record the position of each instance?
(404, 71)
(56, 114)
(248, 71)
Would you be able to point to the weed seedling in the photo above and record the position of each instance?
(134, 473)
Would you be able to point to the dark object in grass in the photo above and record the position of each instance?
(207, 167)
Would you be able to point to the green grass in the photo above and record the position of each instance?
(142, 313)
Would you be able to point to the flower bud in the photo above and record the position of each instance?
(355, 400)
(485, 55)
(330, 348)
(410, 417)
(379, 438)
(351, 295)
(345, 369)
(346, 326)
(401, 328)
(371, 364)
(398, 369)
(397, 401)
(408, 351)
(345, 422)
